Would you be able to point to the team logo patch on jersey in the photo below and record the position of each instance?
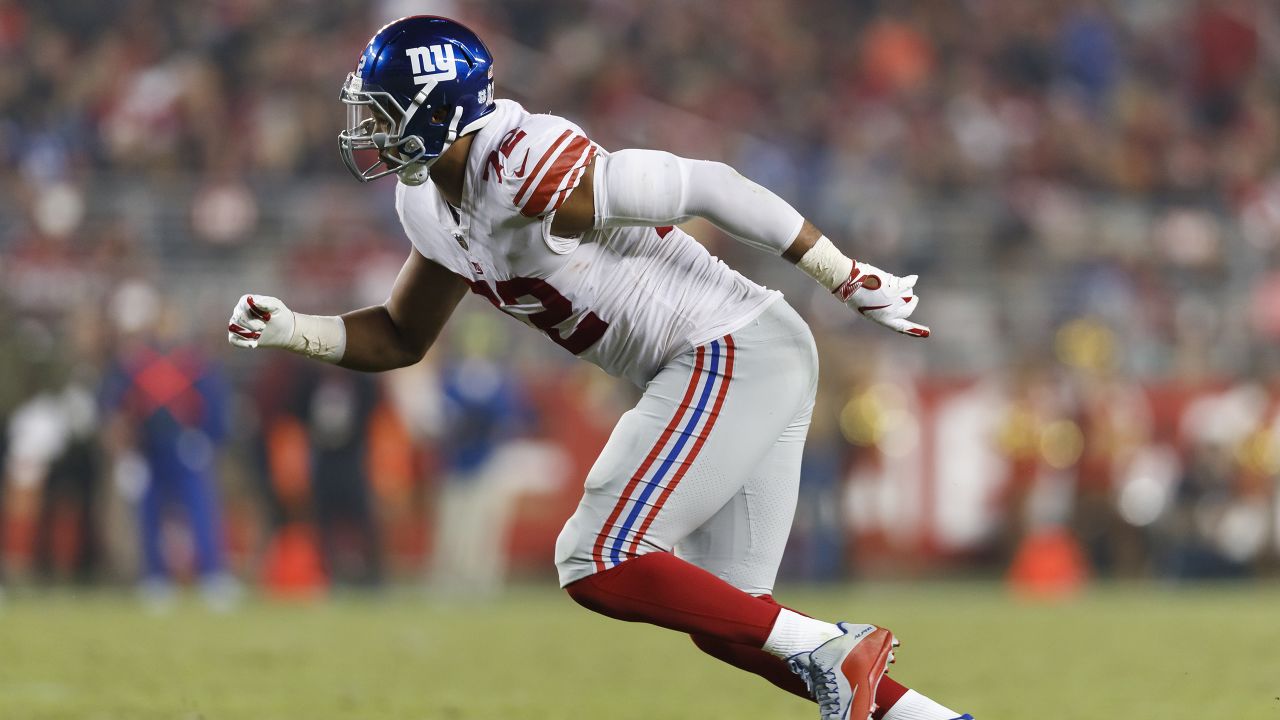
(434, 64)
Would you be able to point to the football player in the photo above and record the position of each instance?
(685, 514)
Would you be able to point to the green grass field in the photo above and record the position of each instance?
(1127, 653)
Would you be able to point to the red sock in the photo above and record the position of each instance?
(887, 694)
(661, 589)
(754, 660)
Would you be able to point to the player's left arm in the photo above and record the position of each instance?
(650, 187)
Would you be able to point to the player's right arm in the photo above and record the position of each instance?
(394, 334)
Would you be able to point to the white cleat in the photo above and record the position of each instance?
(843, 673)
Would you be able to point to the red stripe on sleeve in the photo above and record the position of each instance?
(566, 163)
(563, 194)
(528, 181)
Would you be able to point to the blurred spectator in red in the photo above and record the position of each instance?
(1225, 44)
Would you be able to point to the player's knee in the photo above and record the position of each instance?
(573, 552)
(587, 593)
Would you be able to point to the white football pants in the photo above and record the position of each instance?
(708, 463)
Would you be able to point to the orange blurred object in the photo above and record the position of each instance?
(292, 568)
(289, 459)
(1049, 565)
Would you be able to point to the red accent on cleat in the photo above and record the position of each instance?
(863, 667)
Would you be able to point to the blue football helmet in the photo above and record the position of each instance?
(421, 82)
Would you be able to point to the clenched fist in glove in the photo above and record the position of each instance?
(264, 321)
(883, 297)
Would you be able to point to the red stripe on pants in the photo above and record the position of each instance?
(693, 452)
(597, 553)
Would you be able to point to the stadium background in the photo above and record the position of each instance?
(1088, 191)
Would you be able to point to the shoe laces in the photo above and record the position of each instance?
(826, 691)
(821, 684)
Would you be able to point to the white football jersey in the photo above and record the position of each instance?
(626, 299)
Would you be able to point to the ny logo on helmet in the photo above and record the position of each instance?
(433, 64)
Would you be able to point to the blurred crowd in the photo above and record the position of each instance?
(1089, 190)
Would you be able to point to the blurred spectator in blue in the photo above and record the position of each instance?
(1088, 51)
(485, 462)
(169, 403)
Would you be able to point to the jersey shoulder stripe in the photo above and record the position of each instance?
(537, 168)
(552, 189)
(552, 154)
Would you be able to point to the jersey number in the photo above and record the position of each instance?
(498, 158)
(556, 310)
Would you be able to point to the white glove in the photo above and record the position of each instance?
(260, 321)
(883, 297)
(264, 321)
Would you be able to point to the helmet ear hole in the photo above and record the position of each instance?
(439, 115)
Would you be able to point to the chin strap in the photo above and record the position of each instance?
(415, 174)
(452, 135)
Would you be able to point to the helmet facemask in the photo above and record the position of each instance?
(377, 122)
